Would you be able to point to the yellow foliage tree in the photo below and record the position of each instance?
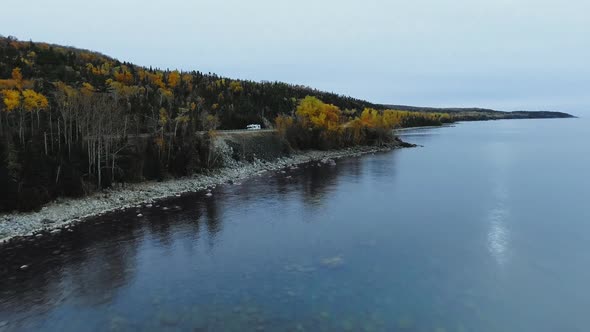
(322, 121)
(124, 76)
(356, 129)
(33, 101)
(17, 76)
(173, 79)
(371, 118)
(156, 79)
(317, 114)
(11, 99)
(236, 87)
(87, 89)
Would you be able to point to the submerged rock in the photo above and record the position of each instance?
(298, 268)
(118, 323)
(347, 325)
(329, 162)
(332, 262)
(169, 319)
(405, 323)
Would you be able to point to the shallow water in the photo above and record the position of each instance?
(485, 228)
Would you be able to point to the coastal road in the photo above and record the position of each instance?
(219, 132)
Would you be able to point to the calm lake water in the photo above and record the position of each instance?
(485, 228)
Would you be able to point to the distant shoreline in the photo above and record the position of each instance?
(401, 130)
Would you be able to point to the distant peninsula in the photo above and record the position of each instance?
(482, 114)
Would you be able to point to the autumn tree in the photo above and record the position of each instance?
(173, 79)
(323, 120)
(236, 87)
(123, 76)
(34, 102)
(11, 99)
(17, 76)
(13, 102)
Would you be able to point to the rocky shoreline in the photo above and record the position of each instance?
(62, 214)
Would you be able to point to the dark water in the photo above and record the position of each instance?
(485, 228)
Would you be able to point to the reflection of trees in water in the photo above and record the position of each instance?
(310, 182)
(99, 258)
(194, 214)
(381, 165)
(22, 291)
(213, 220)
(103, 271)
(316, 183)
(191, 212)
(160, 224)
(352, 168)
(91, 263)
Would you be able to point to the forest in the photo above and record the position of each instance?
(70, 119)
(325, 126)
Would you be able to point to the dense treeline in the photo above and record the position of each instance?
(320, 125)
(72, 121)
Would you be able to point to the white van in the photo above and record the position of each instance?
(253, 127)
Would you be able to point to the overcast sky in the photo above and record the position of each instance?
(504, 54)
